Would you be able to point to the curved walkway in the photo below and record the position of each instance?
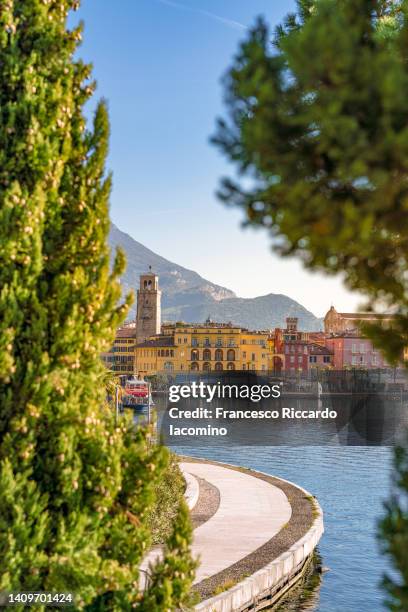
(251, 512)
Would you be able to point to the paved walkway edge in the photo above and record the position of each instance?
(268, 584)
(192, 492)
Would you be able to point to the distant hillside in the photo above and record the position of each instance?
(189, 297)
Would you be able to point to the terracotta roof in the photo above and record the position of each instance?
(126, 332)
(159, 341)
(318, 349)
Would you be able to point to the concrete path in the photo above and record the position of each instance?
(251, 512)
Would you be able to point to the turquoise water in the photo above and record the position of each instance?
(351, 483)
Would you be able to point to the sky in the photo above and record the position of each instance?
(159, 64)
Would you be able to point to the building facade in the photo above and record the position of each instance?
(121, 356)
(341, 322)
(353, 351)
(203, 348)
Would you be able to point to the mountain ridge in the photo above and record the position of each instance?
(187, 296)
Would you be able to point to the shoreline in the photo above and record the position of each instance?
(264, 575)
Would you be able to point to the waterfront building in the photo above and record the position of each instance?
(351, 350)
(218, 347)
(121, 356)
(302, 356)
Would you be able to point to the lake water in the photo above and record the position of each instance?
(351, 482)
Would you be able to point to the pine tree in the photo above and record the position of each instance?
(75, 488)
(318, 123)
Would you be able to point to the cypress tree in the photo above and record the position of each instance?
(75, 487)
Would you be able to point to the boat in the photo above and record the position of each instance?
(137, 393)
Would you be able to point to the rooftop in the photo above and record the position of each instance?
(158, 341)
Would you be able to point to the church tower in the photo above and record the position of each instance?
(148, 315)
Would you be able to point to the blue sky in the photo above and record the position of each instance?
(159, 65)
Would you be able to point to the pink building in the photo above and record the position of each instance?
(301, 355)
(296, 356)
(352, 351)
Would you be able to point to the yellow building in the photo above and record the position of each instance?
(121, 357)
(183, 347)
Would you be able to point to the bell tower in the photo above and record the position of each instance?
(148, 315)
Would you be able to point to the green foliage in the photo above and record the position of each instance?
(76, 489)
(171, 577)
(394, 532)
(169, 492)
(317, 125)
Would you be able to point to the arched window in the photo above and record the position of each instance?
(168, 365)
(231, 366)
(194, 355)
(218, 366)
(206, 355)
(219, 355)
(195, 367)
(231, 355)
(206, 367)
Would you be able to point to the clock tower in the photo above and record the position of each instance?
(148, 316)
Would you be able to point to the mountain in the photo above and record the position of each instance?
(187, 296)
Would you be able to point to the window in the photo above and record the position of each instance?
(194, 342)
(194, 355)
(354, 348)
(326, 358)
(354, 360)
(253, 356)
(300, 358)
(219, 355)
(292, 359)
(207, 342)
(231, 366)
(244, 355)
(218, 342)
(374, 360)
(206, 355)
(206, 366)
(313, 359)
(218, 367)
(179, 340)
(168, 365)
(185, 340)
(195, 367)
(231, 355)
(263, 366)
